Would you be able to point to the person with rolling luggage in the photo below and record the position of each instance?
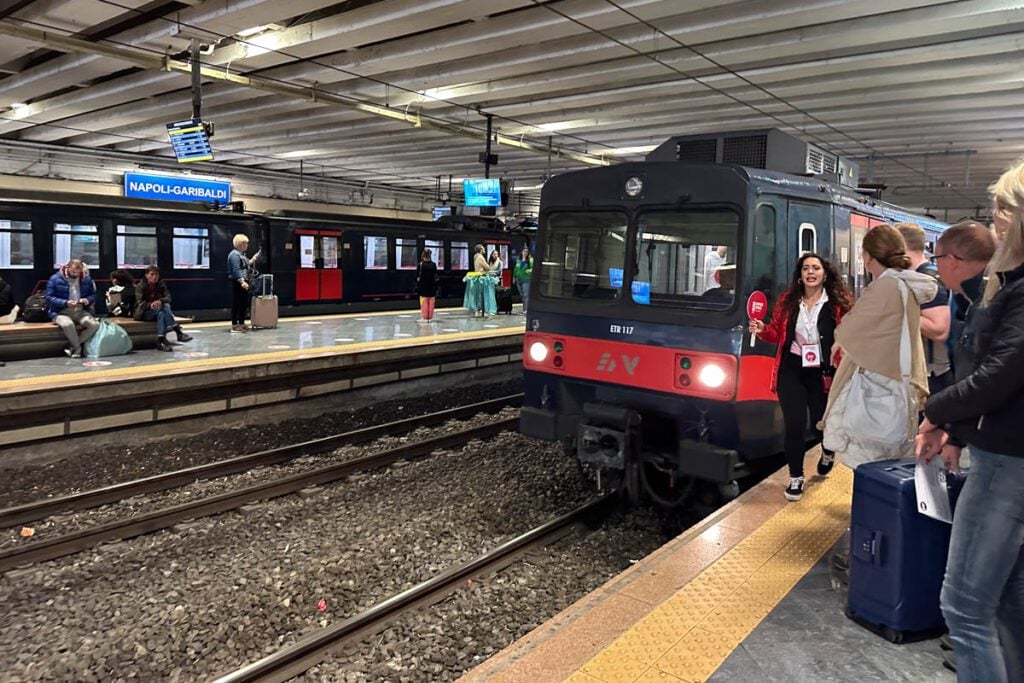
(426, 286)
(239, 267)
(983, 591)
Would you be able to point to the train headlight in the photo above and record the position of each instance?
(634, 186)
(712, 376)
(538, 352)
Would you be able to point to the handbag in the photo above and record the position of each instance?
(109, 340)
(876, 407)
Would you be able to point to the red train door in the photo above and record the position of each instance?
(318, 272)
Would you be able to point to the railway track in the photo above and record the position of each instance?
(147, 522)
(312, 649)
(29, 512)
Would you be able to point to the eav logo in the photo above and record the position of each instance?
(608, 364)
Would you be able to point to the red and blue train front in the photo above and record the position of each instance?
(679, 401)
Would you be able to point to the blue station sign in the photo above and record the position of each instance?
(175, 188)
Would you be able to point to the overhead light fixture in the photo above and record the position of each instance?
(623, 151)
(18, 105)
(297, 154)
(255, 30)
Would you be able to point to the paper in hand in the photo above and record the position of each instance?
(932, 494)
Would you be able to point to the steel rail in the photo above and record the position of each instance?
(83, 500)
(312, 649)
(147, 522)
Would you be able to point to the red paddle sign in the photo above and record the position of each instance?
(757, 309)
(757, 306)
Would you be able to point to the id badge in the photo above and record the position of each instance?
(810, 355)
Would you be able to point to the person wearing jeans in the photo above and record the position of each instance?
(153, 302)
(983, 591)
(522, 272)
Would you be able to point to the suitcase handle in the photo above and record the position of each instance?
(867, 545)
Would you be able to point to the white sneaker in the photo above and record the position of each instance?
(795, 490)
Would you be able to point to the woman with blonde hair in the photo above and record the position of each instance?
(983, 592)
(238, 272)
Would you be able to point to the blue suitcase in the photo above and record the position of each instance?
(897, 555)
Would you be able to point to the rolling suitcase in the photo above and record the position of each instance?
(503, 295)
(897, 555)
(264, 304)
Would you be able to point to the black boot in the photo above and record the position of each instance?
(182, 337)
(162, 345)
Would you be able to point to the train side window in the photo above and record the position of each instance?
(808, 239)
(436, 248)
(16, 244)
(136, 246)
(375, 253)
(191, 248)
(460, 255)
(762, 267)
(405, 253)
(78, 242)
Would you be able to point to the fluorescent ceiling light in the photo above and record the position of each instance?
(623, 151)
(296, 154)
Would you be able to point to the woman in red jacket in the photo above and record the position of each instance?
(803, 325)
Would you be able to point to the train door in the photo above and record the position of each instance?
(318, 275)
(859, 226)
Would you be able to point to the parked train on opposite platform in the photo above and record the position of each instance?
(321, 263)
(633, 358)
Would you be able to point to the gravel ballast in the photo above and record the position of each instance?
(88, 469)
(216, 593)
(443, 641)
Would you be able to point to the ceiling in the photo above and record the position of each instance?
(394, 93)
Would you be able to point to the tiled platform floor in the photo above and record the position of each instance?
(743, 596)
(213, 340)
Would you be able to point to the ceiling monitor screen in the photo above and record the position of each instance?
(190, 141)
(441, 211)
(482, 191)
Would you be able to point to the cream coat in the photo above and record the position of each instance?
(870, 337)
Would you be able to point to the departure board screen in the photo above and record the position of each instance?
(189, 140)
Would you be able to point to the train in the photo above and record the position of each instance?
(633, 359)
(321, 263)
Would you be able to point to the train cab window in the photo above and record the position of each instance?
(405, 253)
(460, 256)
(687, 259)
(191, 247)
(16, 244)
(808, 239)
(436, 248)
(77, 242)
(375, 253)
(136, 246)
(584, 255)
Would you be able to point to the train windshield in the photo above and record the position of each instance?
(686, 259)
(584, 255)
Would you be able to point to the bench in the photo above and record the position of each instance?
(22, 340)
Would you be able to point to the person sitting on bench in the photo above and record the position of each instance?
(70, 296)
(153, 302)
(8, 309)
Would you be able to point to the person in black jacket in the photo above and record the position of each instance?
(983, 592)
(153, 302)
(426, 286)
(8, 309)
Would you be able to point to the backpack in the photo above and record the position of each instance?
(36, 310)
(120, 301)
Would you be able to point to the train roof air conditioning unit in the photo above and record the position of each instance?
(769, 148)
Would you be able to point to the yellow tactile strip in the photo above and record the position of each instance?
(688, 636)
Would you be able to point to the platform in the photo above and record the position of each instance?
(744, 595)
(220, 370)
